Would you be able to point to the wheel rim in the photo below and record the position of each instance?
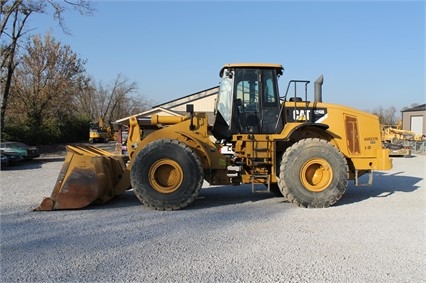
(165, 176)
(316, 175)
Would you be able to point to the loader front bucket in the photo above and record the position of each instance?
(88, 175)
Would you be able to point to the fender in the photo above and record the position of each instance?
(208, 151)
(294, 132)
(291, 133)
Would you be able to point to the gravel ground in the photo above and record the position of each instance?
(373, 234)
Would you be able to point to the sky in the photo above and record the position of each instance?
(372, 54)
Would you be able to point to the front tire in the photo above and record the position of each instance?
(167, 175)
(313, 173)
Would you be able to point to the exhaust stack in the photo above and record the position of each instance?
(318, 89)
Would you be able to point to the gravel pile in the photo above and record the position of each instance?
(373, 234)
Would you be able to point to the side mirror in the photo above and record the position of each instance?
(229, 74)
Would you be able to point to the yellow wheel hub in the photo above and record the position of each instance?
(316, 175)
(165, 176)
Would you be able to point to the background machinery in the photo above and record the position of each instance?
(305, 149)
(398, 140)
(395, 134)
(99, 132)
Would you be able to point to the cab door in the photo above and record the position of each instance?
(257, 102)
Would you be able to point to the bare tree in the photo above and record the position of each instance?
(85, 99)
(386, 116)
(136, 104)
(112, 102)
(13, 18)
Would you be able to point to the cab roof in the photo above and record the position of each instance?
(252, 65)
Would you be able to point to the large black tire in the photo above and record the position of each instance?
(313, 173)
(167, 175)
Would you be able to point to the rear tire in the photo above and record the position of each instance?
(167, 175)
(313, 173)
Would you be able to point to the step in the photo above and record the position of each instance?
(268, 181)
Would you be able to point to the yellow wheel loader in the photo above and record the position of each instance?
(398, 140)
(305, 149)
(99, 132)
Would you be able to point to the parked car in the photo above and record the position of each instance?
(8, 158)
(32, 151)
(4, 160)
(27, 152)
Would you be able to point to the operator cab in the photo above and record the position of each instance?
(248, 100)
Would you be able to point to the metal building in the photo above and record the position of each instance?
(414, 119)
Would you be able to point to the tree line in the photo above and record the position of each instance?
(46, 94)
(390, 116)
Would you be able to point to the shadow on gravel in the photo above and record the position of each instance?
(51, 159)
(127, 199)
(32, 164)
(208, 197)
(384, 185)
(228, 195)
